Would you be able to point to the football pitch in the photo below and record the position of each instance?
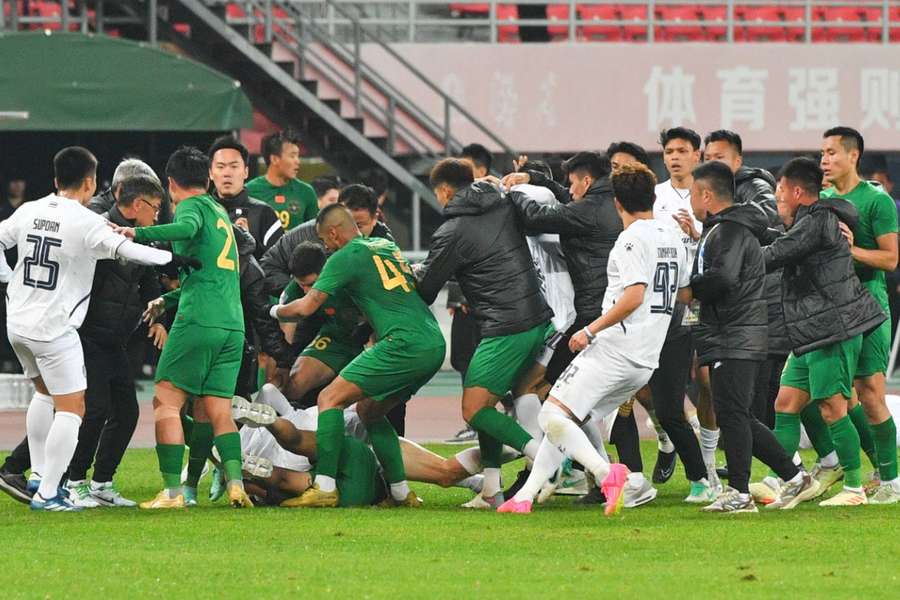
(666, 549)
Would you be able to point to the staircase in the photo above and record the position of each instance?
(301, 75)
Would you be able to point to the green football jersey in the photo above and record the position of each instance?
(338, 311)
(373, 273)
(210, 296)
(294, 203)
(877, 217)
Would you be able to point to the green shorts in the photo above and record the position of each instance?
(203, 361)
(358, 480)
(876, 351)
(825, 372)
(333, 349)
(500, 361)
(395, 368)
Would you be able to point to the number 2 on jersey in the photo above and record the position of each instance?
(223, 262)
(395, 279)
(665, 283)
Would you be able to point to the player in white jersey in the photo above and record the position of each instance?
(620, 349)
(60, 242)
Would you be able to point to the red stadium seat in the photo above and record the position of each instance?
(716, 16)
(872, 16)
(895, 24)
(755, 27)
(630, 12)
(47, 10)
(602, 12)
(836, 33)
(558, 12)
(795, 17)
(507, 33)
(235, 11)
(674, 31)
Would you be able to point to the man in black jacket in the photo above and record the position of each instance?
(482, 243)
(757, 187)
(228, 172)
(728, 278)
(827, 311)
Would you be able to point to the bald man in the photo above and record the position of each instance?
(409, 351)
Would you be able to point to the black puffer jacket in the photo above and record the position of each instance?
(276, 262)
(260, 328)
(728, 278)
(757, 188)
(265, 227)
(824, 302)
(104, 201)
(587, 228)
(482, 243)
(119, 295)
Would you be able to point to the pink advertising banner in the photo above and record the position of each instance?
(568, 97)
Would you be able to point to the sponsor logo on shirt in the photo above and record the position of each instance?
(279, 199)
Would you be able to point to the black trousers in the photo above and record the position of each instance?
(768, 380)
(19, 459)
(667, 386)
(744, 437)
(464, 338)
(562, 356)
(110, 412)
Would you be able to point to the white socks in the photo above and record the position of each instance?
(271, 395)
(528, 406)
(38, 420)
(470, 459)
(491, 485)
(830, 461)
(709, 441)
(472, 482)
(400, 490)
(546, 463)
(568, 437)
(59, 448)
(664, 443)
(591, 429)
(326, 483)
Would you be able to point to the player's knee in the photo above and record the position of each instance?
(165, 409)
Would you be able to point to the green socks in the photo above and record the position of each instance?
(504, 430)
(386, 445)
(885, 435)
(817, 430)
(329, 439)
(858, 415)
(201, 443)
(787, 432)
(491, 451)
(170, 458)
(846, 444)
(229, 447)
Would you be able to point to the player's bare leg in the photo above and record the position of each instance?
(167, 403)
(307, 374)
(228, 443)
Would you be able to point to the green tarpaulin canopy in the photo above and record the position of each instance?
(70, 81)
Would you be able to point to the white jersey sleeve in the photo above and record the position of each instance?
(100, 241)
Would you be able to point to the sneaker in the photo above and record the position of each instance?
(732, 501)
(613, 487)
(411, 501)
(482, 502)
(846, 498)
(162, 501)
(549, 487)
(511, 506)
(594, 496)
(106, 494)
(33, 483)
(252, 414)
(793, 494)
(521, 478)
(826, 476)
(257, 466)
(238, 497)
(873, 484)
(573, 483)
(665, 466)
(80, 494)
(637, 495)
(885, 494)
(16, 486)
(217, 487)
(190, 496)
(701, 493)
(464, 436)
(59, 503)
(766, 491)
(313, 497)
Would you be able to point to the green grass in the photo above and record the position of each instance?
(666, 549)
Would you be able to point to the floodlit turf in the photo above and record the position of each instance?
(665, 549)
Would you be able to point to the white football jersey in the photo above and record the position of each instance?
(60, 242)
(669, 200)
(550, 264)
(651, 253)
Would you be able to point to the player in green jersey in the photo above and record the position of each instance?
(409, 351)
(294, 201)
(874, 247)
(203, 354)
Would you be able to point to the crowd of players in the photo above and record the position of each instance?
(764, 299)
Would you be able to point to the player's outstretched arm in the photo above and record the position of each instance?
(304, 307)
(631, 299)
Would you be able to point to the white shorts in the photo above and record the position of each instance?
(59, 363)
(546, 353)
(600, 381)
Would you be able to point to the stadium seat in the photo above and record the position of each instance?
(630, 12)
(558, 12)
(673, 31)
(235, 11)
(872, 17)
(716, 16)
(602, 12)
(507, 33)
(47, 10)
(895, 24)
(795, 19)
(836, 33)
(755, 27)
